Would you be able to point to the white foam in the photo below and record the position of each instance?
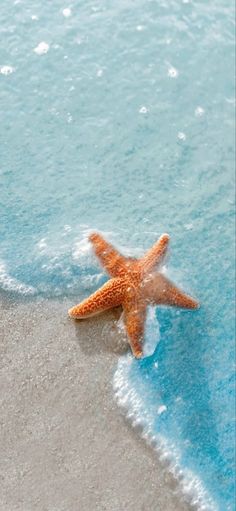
(143, 110)
(133, 404)
(161, 409)
(188, 227)
(199, 111)
(66, 12)
(6, 70)
(152, 332)
(181, 136)
(82, 248)
(9, 283)
(173, 72)
(42, 245)
(42, 48)
(67, 228)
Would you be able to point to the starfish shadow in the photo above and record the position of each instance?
(100, 334)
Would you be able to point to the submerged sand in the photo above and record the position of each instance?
(64, 443)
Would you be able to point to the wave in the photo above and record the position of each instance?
(133, 404)
(55, 265)
(8, 283)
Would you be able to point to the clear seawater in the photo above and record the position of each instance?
(123, 121)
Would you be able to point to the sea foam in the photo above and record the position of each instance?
(132, 402)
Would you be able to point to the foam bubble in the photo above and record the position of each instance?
(161, 409)
(143, 110)
(66, 12)
(173, 72)
(42, 245)
(42, 48)
(6, 70)
(199, 111)
(181, 136)
(67, 228)
(188, 227)
(152, 332)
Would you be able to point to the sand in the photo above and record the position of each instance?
(64, 443)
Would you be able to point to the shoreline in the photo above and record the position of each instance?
(65, 444)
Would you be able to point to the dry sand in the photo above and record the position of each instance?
(64, 443)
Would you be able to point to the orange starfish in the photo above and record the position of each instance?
(135, 283)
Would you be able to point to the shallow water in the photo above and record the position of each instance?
(121, 118)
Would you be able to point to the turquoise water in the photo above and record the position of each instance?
(120, 117)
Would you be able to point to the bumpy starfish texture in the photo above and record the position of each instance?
(134, 284)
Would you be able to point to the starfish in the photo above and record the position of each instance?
(134, 284)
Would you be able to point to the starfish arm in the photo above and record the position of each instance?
(108, 296)
(134, 318)
(160, 290)
(110, 258)
(156, 254)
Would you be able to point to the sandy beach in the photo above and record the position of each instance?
(65, 445)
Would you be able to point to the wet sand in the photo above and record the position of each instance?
(64, 443)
